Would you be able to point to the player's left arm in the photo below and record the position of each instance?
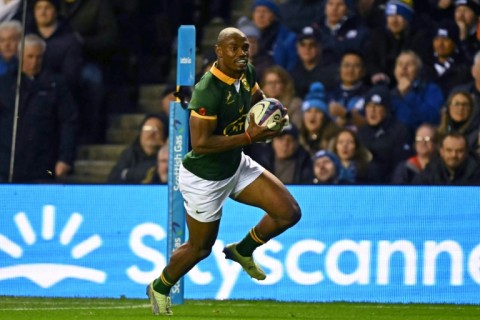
(204, 140)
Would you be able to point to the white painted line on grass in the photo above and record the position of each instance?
(141, 306)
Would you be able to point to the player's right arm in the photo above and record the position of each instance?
(204, 140)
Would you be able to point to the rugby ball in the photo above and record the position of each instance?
(267, 112)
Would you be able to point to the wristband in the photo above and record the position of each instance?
(248, 137)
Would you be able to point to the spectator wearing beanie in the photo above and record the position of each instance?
(387, 43)
(317, 129)
(447, 65)
(326, 167)
(387, 139)
(312, 65)
(276, 40)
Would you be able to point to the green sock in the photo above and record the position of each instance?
(163, 284)
(249, 244)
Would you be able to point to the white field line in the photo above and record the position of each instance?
(39, 308)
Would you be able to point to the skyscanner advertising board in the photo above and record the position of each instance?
(354, 243)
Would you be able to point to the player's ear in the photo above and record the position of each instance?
(218, 51)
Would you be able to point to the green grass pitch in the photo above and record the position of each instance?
(23, 308)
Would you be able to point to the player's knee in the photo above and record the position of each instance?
(296, 214)
(203, 253)
(292, 215)
(199, 252)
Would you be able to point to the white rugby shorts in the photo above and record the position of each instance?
(204, 199)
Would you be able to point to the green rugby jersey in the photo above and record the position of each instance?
(215, 97)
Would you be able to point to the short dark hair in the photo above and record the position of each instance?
(354, 52)
(454, 134)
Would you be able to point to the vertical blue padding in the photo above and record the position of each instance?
(178, 146)
(186, 56)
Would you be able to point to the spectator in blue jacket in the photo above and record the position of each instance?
(276, 40)
(414, 101)
(10, 34)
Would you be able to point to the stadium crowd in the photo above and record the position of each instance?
(378, 92)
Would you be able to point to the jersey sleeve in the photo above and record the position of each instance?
(205, 99)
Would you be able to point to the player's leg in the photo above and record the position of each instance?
(260, 188)
(282, 210)
(202, 236)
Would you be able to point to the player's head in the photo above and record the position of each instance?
(232, 52)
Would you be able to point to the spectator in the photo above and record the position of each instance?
(455, 166)
(47, 120)
(208, 59)
(356, 161)
(277, 83)
(95, 26)
(64, 52)
(473, 87)
(317, 128)
(276, 40)
(287, 159)
(261, 62)
(425, 149)
(440, 10)
(299, 13)
(10, 10)
(386, 138)
(162, 164)
(140, 157)
(466, 17)
(458, 117)
(10, 34)
(341, 29)
(168, 95)
(344, 101)
(159, 173)
(371, 12)
(446, 66)
(387, 43)
(414, 100)
(311, 65)
(326, 167)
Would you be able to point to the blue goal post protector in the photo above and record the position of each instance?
(177, 147)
